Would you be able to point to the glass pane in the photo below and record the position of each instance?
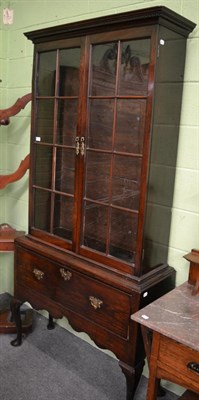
(104, 61)
(97, 176)
(42, 206)
(67, 121)
(43, 166)
(46, 73)
(69, 72)
(134, 67)
(63, 212)
(123, 235)
(126, 182)
(101, 124)
(65, 170)
(130, 126)
(95, 226)
(45, 121)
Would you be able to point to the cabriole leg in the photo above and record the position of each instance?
(15, 311)
(132, 376)
(51, 324)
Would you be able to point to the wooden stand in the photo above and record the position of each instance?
(7, 233)
(7, 237)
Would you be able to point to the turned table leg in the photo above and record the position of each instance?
(15, 310)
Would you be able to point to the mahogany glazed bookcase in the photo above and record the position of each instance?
(106, 102)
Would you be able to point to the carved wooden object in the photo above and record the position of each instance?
(4, 120)
(18, 174)
(7, 233)
(15, 109)
(193, 279)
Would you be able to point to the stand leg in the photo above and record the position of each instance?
(51, 324)
(15, 311)
(132, 376)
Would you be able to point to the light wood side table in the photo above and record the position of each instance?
(170, 328)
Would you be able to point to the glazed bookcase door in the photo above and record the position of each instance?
(116, 130)
(55, 143)
(89, 134)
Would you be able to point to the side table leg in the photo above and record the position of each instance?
(153, 382)
(15, 310)
(147, 338)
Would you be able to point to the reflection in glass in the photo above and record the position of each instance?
(130, 125)
(126, 182)
(97, 176)
(42, 168)
(45, 120)
(63, 212)
(46, 74)
(104, 62)
(42, 205)
(95, 227)
(123, 235)
(134, 68)
(69, 81)
(101, 124)
(67, 121)
(69, 61)
(65, 170)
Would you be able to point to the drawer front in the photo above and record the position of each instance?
(100, 303)
(95, 301)
(177, 356)
(35, 272)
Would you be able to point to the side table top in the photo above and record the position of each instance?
(7, 237)
(175, 315)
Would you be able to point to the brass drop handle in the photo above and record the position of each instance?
(95, 303)
(66, 275)
(82, 145)
(77, 145)
(38, 274)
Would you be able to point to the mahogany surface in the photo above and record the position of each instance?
(8, 236)
(103, 134)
